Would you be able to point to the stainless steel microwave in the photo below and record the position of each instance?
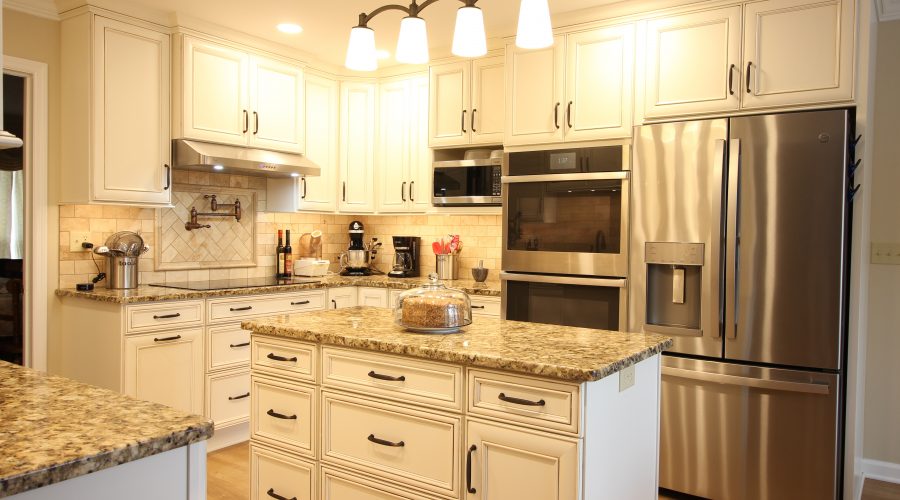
(468, 182)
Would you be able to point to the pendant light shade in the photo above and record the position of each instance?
(412, 45)
(534, 30)
(361, 50)
(469, 39)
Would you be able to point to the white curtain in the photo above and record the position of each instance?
(12, 221)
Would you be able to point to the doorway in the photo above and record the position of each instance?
(12, 224)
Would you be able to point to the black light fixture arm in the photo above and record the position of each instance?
(411, 11)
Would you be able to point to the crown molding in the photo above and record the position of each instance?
(888, 10)
(39, 8)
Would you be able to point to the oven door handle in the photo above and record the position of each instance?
(594, 176)
(564, 280)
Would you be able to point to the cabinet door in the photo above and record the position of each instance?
(167, 368)
(693, 63)
(216, 98)
(511, 464)
(322, 96)
(339, 298)
(131, 136)
(393, 146)
(798, 52)
(420, 155)
(534, 94)
(599, 83)
(372, 297)
(357, 160)
(449, 104)
(488, 102)
(276, 104)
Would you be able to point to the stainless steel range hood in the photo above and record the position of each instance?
(188, 154)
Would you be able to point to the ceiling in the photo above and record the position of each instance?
(326, 23)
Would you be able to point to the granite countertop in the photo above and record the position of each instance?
(560, 352)
(145, 293)
(54, 429)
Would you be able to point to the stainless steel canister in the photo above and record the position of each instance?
(121, 272)
(447, 266)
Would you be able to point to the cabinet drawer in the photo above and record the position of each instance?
(166, 315)
(274, 473)
(283, 358)
(283, 414)
(397, 377)
(228, 347)
(341, 485)
(228, 397)
(536, 402)
(485, 307)
(246, 307)
(398, 443)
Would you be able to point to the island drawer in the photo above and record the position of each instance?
(283, 358)
(399, 443)
(274, 473)
(283, 414)
(164, 315)
(342, 485)
(246, 307)
(544, 404)
(485, 306)
(228, 346)
(397, 377)
(228, 397)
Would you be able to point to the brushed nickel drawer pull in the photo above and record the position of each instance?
(242, 396)
(301, 303)
(273, 413)
(167, 339)
(243, 344)
(276, 496)
(276, 357)
(236, 309)
(389, 378)
(519, 401)
(384, 442)
(167, 316)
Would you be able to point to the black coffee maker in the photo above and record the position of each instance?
(406, 257)
(355, 261)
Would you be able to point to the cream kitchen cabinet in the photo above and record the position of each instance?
(231, 96)
(373, 297)
(166, 367)
(535, 89)
(403, 167)
(339, 298)
(466, 103)
(319, 193)
(115, 109)
(357, 147)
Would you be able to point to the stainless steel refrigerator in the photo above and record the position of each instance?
(739, 231)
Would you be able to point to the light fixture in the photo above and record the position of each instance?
(295, 174)
(412, 44)
(218, 167)
(361, 50)
(469, 39)
(290, 28)
(534, 31)
(382, 54)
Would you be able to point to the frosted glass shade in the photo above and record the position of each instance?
(412, 45)
(361, 50)
(469, 39)
(534, 31)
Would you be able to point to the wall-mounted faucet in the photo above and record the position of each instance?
(214, 205)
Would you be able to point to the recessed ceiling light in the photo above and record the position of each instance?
(218, 167)
(382, 54)
(295, 174)
(290, 28)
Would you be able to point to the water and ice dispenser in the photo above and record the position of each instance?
(674, 287)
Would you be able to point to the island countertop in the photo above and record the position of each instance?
(559, 352)
(54, 429)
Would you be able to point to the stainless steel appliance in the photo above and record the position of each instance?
(564, 300)
(474, 180)
(565, 211)
(123, 252)
(740, 233)
(355, 261)
(406, 257)
(201, 156)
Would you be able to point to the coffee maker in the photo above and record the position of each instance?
(406, 257)
(355, 261)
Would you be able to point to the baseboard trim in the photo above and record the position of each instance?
(879, 471)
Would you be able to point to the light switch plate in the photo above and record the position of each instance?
(626, 378)
(76, 239)
(886, 253)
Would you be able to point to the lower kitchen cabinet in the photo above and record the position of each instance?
(340, 485)
(373, 297)
(284, 414)
(339, 298)
(228, 397)
(279, 475)
(167, 368)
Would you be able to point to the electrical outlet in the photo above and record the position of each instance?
(626, 378)
(76, 239)
(886, 253)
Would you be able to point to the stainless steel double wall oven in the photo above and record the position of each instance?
(565, 236)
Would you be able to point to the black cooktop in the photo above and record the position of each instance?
(235, 283)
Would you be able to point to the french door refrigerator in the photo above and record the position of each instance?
(739, 239)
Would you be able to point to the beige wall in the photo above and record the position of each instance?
(37, 39)
(882, 410)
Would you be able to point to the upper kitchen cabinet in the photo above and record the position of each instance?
(535, 89)
(115, 109)
(322, 117)
(466, 103)
(231, 96)
(693, 63)
(798, 52)
(403, 158)
(357, 147)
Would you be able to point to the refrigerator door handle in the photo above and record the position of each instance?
(757, 383)
(716, 248)
(733, 239)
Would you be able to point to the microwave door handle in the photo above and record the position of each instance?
(565, 280)
(733, 242)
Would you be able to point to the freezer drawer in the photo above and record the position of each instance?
(739, 432)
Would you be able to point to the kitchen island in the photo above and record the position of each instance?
(65, 439)
(347, 405)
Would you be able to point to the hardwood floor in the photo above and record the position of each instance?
(228, 473)
(880, 490)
